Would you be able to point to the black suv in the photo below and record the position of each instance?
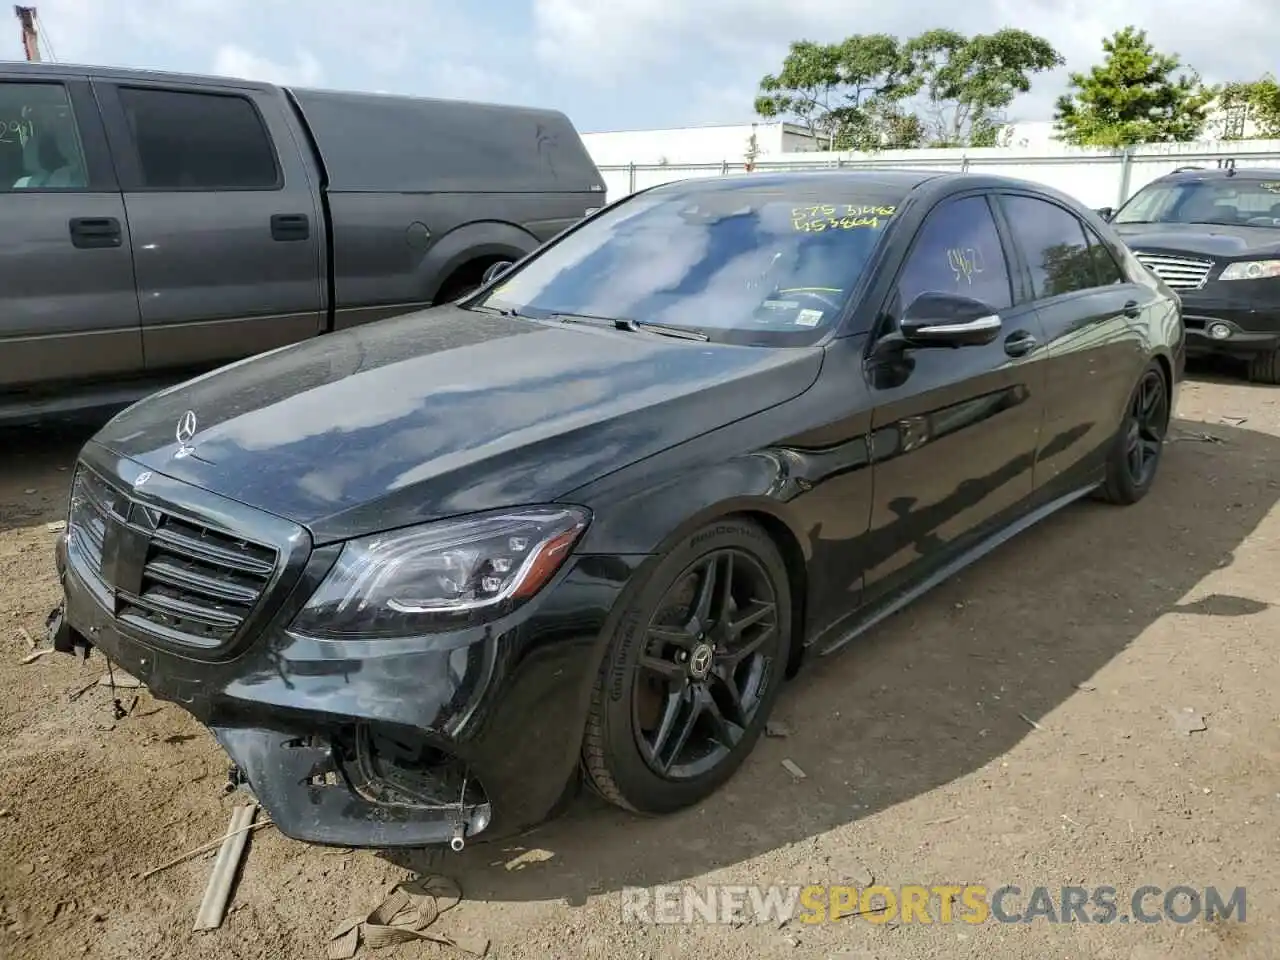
(1213, 236)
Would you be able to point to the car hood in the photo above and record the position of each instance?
(1210, 240)
(443, 412)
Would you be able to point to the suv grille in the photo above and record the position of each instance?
(1180, 273)
(164, 575)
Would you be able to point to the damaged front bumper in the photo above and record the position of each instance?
(370, 743)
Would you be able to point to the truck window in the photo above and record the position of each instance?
(39, 143)
(199, 141)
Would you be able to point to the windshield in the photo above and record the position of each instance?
(747, 263)
(1228, 201)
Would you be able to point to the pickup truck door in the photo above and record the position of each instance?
(68, 308)
(228, 237)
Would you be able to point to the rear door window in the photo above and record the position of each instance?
(1053, 242)
(199, 141)
(40, 146)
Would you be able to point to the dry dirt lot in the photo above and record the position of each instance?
(923, 762)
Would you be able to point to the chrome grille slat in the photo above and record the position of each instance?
(1180, 273)
(197, 585)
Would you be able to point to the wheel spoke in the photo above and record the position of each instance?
(724, 599)
(667, 669)
(701, 613)
(733, 709)
(676, 636)
(731, 658)
(755, 613)
(1150, 448)
(725, 731)
(678, 720)
(1135, 461)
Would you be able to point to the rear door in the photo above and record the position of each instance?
(227, 234)
(954, 430)
(68, 307)
(1091, 316)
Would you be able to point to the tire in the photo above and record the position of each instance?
(627, 760)
(1265, 367)
(1146, 421)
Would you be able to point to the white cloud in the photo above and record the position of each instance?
(234, 61)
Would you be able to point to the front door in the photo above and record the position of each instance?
(954, 429)
(227, 234)
(68, 307)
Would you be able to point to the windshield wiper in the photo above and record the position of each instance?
(662, 329)
(500, 311)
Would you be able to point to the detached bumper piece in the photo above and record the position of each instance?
(359, 786)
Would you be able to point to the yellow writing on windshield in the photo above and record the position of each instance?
(839, 216)
(964, 263)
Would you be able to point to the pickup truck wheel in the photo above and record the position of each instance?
(1265, 367)
(691, 672)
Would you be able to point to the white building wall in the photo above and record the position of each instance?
(1094, 176)
(712, 144)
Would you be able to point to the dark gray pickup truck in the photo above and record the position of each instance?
(153, 225)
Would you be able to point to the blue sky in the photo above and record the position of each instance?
(609, 64)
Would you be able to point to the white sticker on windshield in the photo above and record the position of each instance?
(779, 304)
(808, 318)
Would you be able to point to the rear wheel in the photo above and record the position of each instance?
(691, 672)
(1265, 367)
(1139, 445)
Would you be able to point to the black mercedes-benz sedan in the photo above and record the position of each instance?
(420, 576)
(1214, 237)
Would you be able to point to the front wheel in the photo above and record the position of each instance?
(1136, 452)
(1265, 367)
(691, 671)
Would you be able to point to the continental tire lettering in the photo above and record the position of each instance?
(629, 629)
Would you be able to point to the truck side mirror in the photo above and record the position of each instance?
(495, 270)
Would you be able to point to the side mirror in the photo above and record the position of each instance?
(948, 320)
(1106, 213)
(495, 270)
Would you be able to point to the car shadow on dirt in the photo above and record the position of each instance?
(930, 696)
(35, 469)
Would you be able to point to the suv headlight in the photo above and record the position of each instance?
(1252, 270)
(422, 579)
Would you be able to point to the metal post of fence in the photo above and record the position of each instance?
(964, 163)
(1126, 168)
(724, 168)
(631, 173)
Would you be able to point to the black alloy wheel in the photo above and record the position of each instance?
(705, 664)
(1135, 456)
(692, 671)
(1145, 428)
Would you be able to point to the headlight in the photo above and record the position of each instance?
(420, 579)
(1252, 270)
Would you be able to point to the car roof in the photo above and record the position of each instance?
(1221, 173)
(938, 184)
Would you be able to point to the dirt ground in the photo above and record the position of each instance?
(1014, 726)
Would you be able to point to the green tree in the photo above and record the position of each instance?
(1136, 95)
(1259, 101)
(874, 91)
(845, 92)
(966, 83)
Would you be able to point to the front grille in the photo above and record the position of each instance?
(1180, 273)
(162, 574)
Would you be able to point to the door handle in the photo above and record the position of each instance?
(1020, 343)
(1131, 309)
(290, 226)
(90, 233)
